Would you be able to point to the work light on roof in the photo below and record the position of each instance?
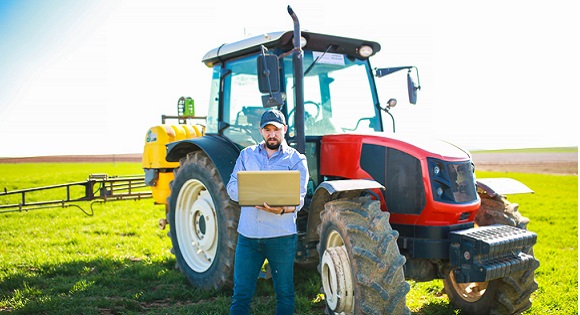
(365, 51)
(303, 41)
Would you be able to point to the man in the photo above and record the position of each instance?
(266, 232)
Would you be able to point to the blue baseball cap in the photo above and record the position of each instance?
(273, 117)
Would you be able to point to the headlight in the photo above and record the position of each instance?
(436, 170)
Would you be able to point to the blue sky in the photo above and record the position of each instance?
(84, 77)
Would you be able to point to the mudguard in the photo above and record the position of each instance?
(333, 186)
(503, 186)
(222, 152)
(333, 189)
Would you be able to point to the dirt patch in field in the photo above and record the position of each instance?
(527, 162)
(515, 162)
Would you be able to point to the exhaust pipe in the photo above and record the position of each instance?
(297, 64)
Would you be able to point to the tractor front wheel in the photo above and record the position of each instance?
(203, 223)
(507, 295)
(360, 264)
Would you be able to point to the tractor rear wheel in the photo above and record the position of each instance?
(203, 223)
(360, 264)
(507, 295)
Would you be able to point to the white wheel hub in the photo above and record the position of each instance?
(336, 276)
(470, 292)
(196, 225)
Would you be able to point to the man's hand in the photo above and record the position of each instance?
(277, 210)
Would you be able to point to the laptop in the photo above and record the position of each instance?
(277, 188)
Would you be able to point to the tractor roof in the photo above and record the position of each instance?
(284, 41)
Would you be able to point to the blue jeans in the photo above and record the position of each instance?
(250, 255)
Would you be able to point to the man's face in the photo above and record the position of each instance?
(273, 136)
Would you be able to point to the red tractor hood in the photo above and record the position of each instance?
(341, 153)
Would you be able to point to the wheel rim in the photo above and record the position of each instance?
(336, 275)
(471, 291)
(196, 225)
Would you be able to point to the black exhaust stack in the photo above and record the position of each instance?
(297, 62)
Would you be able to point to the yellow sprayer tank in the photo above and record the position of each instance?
(159, 172)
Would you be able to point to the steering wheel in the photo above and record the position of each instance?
(315, 109)
(247, 130)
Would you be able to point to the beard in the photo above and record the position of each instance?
(273, 145)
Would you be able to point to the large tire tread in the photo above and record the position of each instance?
(377, 266)
(198, 165)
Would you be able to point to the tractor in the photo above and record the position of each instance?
(381, 208)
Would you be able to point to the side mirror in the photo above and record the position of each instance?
(412, 89)
(269, 80)
(268, 74)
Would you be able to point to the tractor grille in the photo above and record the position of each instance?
(491, 252)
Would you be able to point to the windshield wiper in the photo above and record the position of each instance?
(316, 60)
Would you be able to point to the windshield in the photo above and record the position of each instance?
(337, 95)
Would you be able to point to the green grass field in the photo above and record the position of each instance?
(62, 261)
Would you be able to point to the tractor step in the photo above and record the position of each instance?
(491, 252)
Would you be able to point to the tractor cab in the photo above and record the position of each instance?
(339, 88)
(339, 92)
